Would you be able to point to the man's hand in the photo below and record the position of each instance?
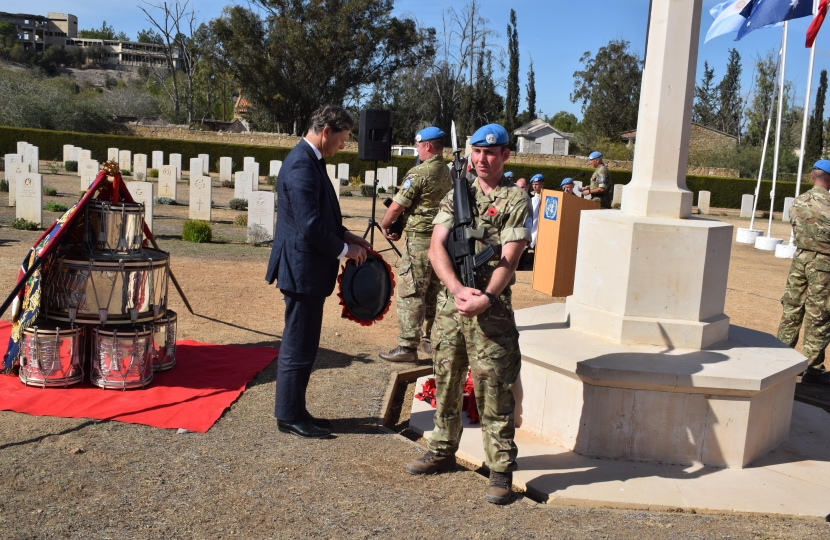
(357, 253)
(585, 190)
(354, 240)
(392, 236)
(470, 302)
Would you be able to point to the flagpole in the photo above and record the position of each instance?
(778, 128)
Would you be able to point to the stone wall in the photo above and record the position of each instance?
(289, 141)
(704, 140)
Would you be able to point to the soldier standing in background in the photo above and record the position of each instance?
(600, 186)
(475, 327)
(807, 295)
(423, 188)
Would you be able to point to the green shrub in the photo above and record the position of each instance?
(346, 193)
(355, 180)
(198, 231)
(153, 173)
(71, 166)
(126, 172)
(4, 186)
(53, 167)
(24, 225)
(53, 206)
(49, 191)
(271, 180)
(380, 190)
(241, 219)
(366, 190)
(238, 204)
(227, 184)
(164, 200)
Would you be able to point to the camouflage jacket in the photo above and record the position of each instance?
(602, 179)
(421, 192)
(810, 218)
(502, 213)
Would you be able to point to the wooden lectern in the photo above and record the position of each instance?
(554, 264)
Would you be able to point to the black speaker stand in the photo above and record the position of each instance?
(370, 228)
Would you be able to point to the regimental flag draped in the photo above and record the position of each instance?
(43, 250)
(761, 13)
(727, 17)
(815, 26)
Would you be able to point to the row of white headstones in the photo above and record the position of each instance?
(26, 184)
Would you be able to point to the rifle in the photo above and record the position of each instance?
(461, 244)
(397, 226)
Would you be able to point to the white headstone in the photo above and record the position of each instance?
(21, 147)
(112, 154)
(75, 153)
(83, 155)
(200, 197)
(788, 203)
(274, 167)
(370, 178)
(142, 192)
(17, 170)
(261, 214)
(140, 167)
(86, 181)
(167, 182)
(242, 185)
(9, 159)
(335, 183)
(88, 167)
(195, 166)
(383, 178)
(225, 169)
(746, 205)
(205, 163)
(32, 157)
(176, 161)
(343, 171)
(393, 177)
(125, 160)
(578, 188)
(246, 160)
(618, 191)
(252, 168)
(158, 159)
(29, 199)
(703, 198)
(67, 152)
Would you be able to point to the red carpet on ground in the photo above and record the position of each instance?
(207, 379)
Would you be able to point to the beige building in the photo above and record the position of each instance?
(39, 33)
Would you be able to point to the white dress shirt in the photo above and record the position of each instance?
(319, 157)
(536, 202)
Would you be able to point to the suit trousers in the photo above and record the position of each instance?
(300, 341)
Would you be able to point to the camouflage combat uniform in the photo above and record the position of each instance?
(421, 192)
(602, 179)
(807, 296)
(488, 343)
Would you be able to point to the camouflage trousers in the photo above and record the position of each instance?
(417, 288)
(489, 345)
(807, 299)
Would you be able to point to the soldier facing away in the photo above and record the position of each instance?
(600, 185)
(474, 327)
(807, 294)
(423, 188)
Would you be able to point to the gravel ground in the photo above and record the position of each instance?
(65, 478)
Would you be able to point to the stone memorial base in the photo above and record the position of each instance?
(785, 251)
(722, 406)
(747, 236)
(767, 243)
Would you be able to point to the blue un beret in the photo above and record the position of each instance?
(594, 155)
(823, 165)
(537, 178)
(566, 181)
(508, 174)
(490, 135)
(429, 134)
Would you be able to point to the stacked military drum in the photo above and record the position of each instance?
(103, 307)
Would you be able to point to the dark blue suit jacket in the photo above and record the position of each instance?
(309, 235)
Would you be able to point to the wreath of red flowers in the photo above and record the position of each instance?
(345, 313)
(492, 211)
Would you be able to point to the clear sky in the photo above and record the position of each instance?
(554, 32)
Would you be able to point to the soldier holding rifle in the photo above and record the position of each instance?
(476, 245)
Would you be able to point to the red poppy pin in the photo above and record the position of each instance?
(492, 211)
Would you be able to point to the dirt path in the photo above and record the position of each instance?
(87, 479)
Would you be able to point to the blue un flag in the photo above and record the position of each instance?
(761, 13)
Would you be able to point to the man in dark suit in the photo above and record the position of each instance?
(310, 241)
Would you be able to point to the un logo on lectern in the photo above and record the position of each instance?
(551, 207)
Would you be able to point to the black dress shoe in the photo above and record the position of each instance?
(814, 378)
(303, 428)
(319, 422)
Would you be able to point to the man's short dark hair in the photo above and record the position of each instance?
(337, 118)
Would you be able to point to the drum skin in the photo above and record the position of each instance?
(118, 286)
(122, 357)
(52, 354)
(164, 341)
(114, 230)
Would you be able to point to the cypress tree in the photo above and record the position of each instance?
(531, 92)
(814, 147)
(511, 105)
